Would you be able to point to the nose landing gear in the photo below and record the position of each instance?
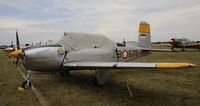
(27, 84)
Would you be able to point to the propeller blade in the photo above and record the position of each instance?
(17, 40)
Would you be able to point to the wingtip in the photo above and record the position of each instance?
(192, 65)
(174, 65)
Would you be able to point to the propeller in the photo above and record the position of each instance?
(18, 53)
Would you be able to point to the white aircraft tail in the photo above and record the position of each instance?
(144, 38)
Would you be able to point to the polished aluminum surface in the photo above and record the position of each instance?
(43, 58)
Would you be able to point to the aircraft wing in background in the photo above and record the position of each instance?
(158, 50)
(197, 46)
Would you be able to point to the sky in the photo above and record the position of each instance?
(43, 20)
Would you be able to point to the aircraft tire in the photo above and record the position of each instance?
(96, 84)
(64, 73)
(26, 84)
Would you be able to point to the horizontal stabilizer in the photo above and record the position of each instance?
(94, 65)
(158, 50)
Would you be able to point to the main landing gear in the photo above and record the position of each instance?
(173, 49)
(64, 72)
(183, 49)
(101, 77)
(27, 84)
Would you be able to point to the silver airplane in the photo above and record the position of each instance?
(80, 51)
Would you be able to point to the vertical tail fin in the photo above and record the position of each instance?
(144, 38)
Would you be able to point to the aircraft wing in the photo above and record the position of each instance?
(193, 46)
(118, 65)
(158, 50)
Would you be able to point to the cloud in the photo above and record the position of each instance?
(179, 22)
(117, 19)
(22, 4)
(15, 23)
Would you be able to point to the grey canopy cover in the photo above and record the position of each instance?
(73, 41)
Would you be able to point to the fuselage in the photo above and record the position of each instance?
(130, 52)
(50, 58)
(179, 43)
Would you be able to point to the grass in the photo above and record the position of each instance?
(149, 87)
(10, 79)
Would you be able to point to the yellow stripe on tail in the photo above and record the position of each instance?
(144, 27)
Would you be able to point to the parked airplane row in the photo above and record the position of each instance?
(13, 47)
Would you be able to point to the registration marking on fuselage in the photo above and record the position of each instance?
(125, 54)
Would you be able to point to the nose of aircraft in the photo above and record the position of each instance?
(173, 41)
(17, 53)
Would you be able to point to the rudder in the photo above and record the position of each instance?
(144, 38)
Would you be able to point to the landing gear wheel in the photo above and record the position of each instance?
(96, 84)
(183, 49)
(26, 84)
(64, 73)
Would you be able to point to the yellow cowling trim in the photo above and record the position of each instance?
(144, 28)
(174, 65)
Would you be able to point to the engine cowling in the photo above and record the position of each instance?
(43, 59)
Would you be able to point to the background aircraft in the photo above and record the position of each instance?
(79, 51)
(184, 43)
(12, 48)
(9, 49)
